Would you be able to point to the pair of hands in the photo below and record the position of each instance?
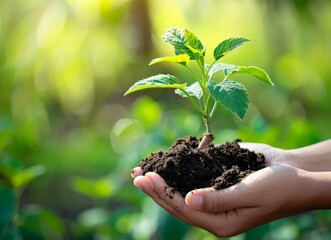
(282, 189)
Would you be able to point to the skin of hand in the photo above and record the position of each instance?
(313, 158)
(282, 189)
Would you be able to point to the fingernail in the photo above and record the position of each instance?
(195, 201)
(132, 172)
(137, 182)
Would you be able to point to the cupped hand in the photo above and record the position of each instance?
(271, 193)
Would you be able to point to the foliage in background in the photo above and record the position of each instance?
(68, 138)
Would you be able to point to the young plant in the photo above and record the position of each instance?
(205, 94)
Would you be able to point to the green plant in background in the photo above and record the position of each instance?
(62, 121)
(13, 179)
(205, 94)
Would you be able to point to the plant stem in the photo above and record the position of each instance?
(205, 111)
(193, 73)
(213, 110)
(208, 137)
(210, 67)
(195, 105)
(206, 141)
(206, 121)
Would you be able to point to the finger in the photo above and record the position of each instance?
(272, 155)
(211, 200)
(245, 194)
(221, 224)
(137, 171)
(256, 147)
(174, 203)
(166, 197)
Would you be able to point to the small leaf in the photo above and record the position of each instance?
(232, 95)
(157, 81)
(193, 43)
(252, 70)
(184, 41)
(219, 67)
(227, 71)
(193, 90)
(175, 36)
(228, 45)
(181, 59)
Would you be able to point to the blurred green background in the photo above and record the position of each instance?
(68, 137)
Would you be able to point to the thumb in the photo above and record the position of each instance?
(212, 200)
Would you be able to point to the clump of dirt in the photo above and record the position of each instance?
(184, 167)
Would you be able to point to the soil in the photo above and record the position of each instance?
(184, 167)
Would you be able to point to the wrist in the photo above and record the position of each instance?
(319, 187)
(314, 158)
(296, 158)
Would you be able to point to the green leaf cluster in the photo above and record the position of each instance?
(14, 175)
(205, 93)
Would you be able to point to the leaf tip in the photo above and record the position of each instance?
(130, 90)
(241, 117)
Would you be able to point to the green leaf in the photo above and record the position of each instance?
(9, 166)
(252, 70)
(181, 59)
(232, 95)
(193, 90)
(39, 223)
(157, 81)
(193, 43)
(228, 45)
(218, 67)
(99, 188)
(184, 41)
(25, 176)
(175, 36)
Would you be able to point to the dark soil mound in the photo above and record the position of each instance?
(184, 167)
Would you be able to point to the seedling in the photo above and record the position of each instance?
(205, 94)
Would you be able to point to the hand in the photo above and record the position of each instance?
(274, 156)
(271, 193)
(282, 189)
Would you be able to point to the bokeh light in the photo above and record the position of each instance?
(70, 137)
